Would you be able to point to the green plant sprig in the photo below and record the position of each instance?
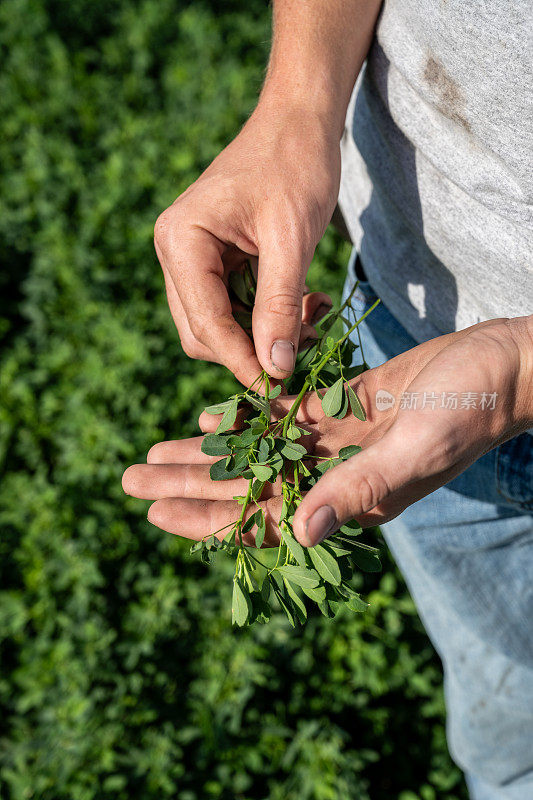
(264, 449)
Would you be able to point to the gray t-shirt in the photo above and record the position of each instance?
(437, 177)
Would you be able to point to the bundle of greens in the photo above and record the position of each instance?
(265, 449)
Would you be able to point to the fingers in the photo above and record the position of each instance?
(157, 481)
(209, 422)
(192, 263)
(195, 519)
(315, 305)
(193, 259)
(190, 345)
(179, 451)
(277, 313)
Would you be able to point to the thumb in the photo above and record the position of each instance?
(352, 489)
(277, 315)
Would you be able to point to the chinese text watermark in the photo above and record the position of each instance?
(451, 401)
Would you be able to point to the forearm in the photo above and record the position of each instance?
(318, 49)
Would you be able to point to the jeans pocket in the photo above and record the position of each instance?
(514, 471)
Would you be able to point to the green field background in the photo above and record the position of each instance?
(120, 675)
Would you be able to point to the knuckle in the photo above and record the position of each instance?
(190, 347)
(162, 229)
(170, 224)
(284, 304)
(200, 328)
(370, 489)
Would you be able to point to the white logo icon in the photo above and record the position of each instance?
(384, 400)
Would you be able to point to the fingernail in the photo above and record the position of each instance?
(319, 524)
(320, 312)
(282, 355)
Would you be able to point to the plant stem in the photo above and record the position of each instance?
(294, 408)
(359, 321)
(243, 512)
(307, 383)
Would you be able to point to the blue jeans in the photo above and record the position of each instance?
(466, 552)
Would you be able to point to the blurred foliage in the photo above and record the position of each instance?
(120, 675)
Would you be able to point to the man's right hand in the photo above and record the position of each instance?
(271, 194)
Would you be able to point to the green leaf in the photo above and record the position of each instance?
(244, 439)
(281, 593)
(260, 403)
(341, 413)
(366, 560)
(354, 372)
(347, 351)
(261, 471)
(261, 609)
(258, 425)
(219, 472)
(351, 528)
(250, 584)
(327, 322)
(249, 524)
(291, 450)
(244, 318)
(241, 606)
(213, 445)
(276, 462)
(293, 432)
(346, 567)
(249, 280)
(297, 601)
(349, 451)
(326, 609)
(263, 451)
(316, 593)
(288, 609)
(295, 548)
(238, 286)
(229, 538)
(229, 416)
(355, 404)
(325, 564)
(332, 400)
(337, 548)
(220, 408)
(275, 392)
(261, 528)
(355, 603)
(265, 589)
(302, 576)
(257, 489)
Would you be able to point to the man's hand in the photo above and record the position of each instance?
(270, 194)
(407, 453)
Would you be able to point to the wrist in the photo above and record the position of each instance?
(317, 51)
(505, 347)
(279, 104)
(307, 101)
(521, 332)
